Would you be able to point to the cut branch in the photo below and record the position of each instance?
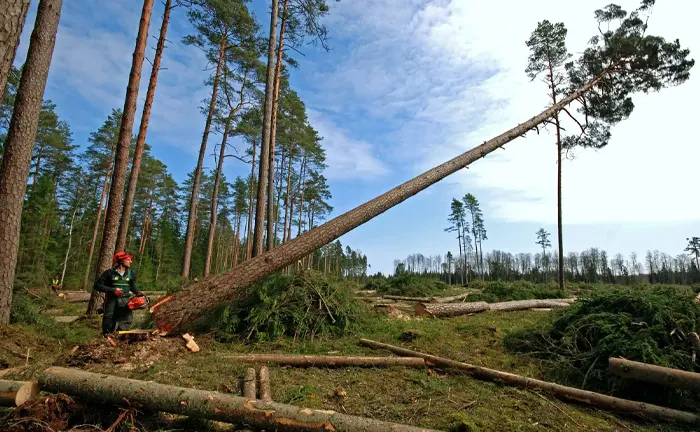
(327, 361)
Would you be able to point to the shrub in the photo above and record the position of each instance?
(499, 291)
(410, 285)
(646, 324)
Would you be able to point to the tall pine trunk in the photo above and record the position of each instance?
(143, 129)
(249, 229)
(192, 217)
(560, 236)
(121, 160)
(271, 232)
(287, 198)
(17, 155)
(265, 144)
(214, 198)
(70, 242)
(237, 240)
(146, 225)
(12, 18)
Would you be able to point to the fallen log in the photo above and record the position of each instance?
(177, 311)
(327, 361)
(211, 405)
(249, 384)
(449, 299)
(669, 377)
(438, 310)
(410, 299)
(265, 394)
(15, 393)
(610, 403)
(517, 305)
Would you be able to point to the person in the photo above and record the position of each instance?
(119, 285)
(55, 284)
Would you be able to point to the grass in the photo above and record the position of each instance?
(428, 398)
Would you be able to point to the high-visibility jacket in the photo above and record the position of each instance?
(110, 280)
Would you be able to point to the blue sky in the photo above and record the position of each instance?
(409, 84)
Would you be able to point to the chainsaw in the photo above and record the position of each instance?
(140, 302)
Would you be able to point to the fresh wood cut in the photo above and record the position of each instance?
(249, 384)
(108, 389)
(562, 392)
(327, 360)
(265, 393)
(15, 393)
(669, 377)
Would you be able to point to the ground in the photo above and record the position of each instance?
(421, 397)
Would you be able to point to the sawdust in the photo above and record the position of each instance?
(141, 353)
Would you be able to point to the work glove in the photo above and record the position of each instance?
(118, 292)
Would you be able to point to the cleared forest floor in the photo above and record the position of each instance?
(421, 397)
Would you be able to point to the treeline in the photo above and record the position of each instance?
(592, 265)
(206, 224)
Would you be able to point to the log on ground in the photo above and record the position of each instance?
(249, 384)
(449, 299)
(669, 377)
(439, 310)
(327, 361)
(409, 299)
(562, 392)
(211, 405)
(15, 393)
(517, 305)
(265, 393)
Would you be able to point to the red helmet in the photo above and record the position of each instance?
(120, 256)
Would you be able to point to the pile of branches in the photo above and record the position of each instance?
(303, 305)
(499, 291)
(645, 324)
(408, 285)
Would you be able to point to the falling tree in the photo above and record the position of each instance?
(623, 59)
(548, 55)
(20, 139)
(121, 161)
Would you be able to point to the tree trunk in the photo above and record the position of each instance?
(146, 225)
(192, 217)
(70, 242)
(265, 393)
(188, 304)
(517, 305)
(449, 299)
(96, 229)
(249, 384)
(302, 186)
(12, 18)
(695, 342)
(143, 129)
(19, 142)
(287, 199)
(562, 392)
(409, 299)
(265, 144)
(443, 310)
(236, 241)
(214, 198)
(121, 162)
(207, 404)
(271, 233)
(16, 393)
(326, 361)
(249, 221)
(278, 193)
(668, 377)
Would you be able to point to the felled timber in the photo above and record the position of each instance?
(562, 392)
(265, 393)
(441, 310)
(405, 298)
(249, 384)
(669, 377)
(16, 393)
(327, 361)
(449, 299)
(108, 389)
(517, 305)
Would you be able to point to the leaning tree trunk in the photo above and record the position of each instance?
(143, 129)
(206, 404)
(271, 232)
(265, 144)
(214, 198)
(121, 159)
(17, 155)
(12, 17)
(192, 217)
(187, 305)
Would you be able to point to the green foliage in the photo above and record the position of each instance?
(408, 285)
(645, 324)
(25, 310)
(303, 305)
(499, 291)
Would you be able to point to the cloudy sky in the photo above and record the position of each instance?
(407, 85)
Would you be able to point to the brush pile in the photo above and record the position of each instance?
(408, 285)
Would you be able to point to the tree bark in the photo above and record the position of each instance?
(287, 198)
(326, 361)
(443, 310)
(271, 233)
(12, 18)
(192, 217)
(668, 377)
(449, 299)
(188, 304)
(265, 144)
(16, 393)
(214, 198)
(410, 299)
(265, 393)
(121, 162)
(249, 384)
(17, 154)
(249, 221)
(207, 404)
(517, 305)
(562, 392)
(70, 242)
(143, 129)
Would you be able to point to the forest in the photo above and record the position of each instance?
(130, 301)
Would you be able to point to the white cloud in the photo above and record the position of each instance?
(456, 70)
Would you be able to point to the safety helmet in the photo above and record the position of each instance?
(121, 256)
